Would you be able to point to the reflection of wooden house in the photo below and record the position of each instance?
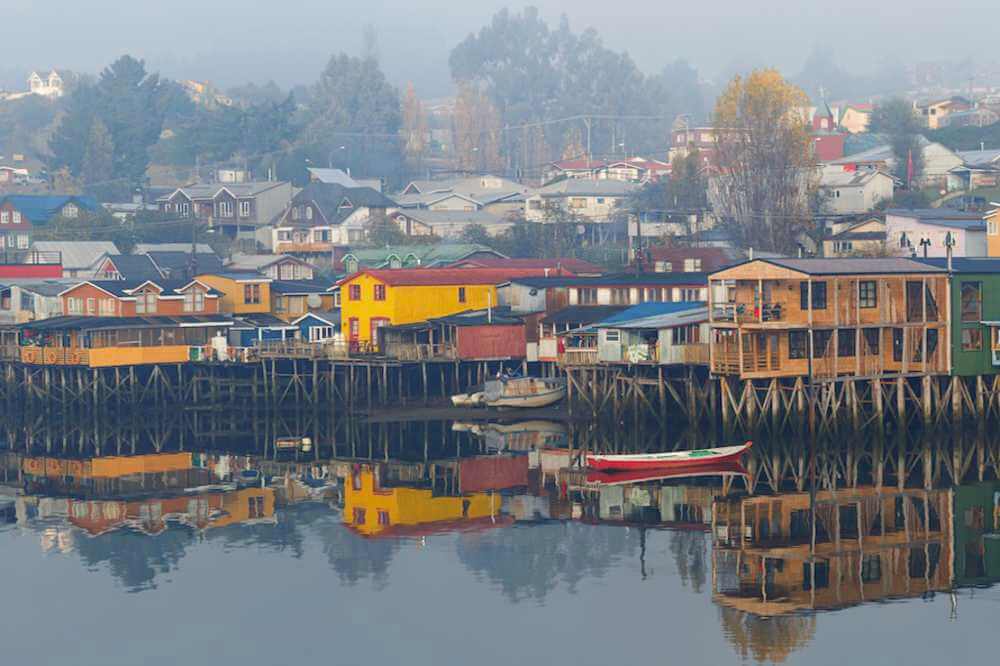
(871, 544)
(373, 509)
(829, 317)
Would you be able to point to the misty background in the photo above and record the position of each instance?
(230, 42)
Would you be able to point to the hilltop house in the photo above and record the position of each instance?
(238, 210)
(630, 169)
(492, 194)
(847, 191)
(324, 215)
(448, 223)
(49, 84)
(594, 201)
(859, 238)
(20, 214)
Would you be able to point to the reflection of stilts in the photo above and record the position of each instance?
(642, 552)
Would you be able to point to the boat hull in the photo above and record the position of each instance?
(613, 478)
(666, 461)
(542, 399)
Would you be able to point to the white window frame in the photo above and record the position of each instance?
(245, 208)
(4, 217)
(23, 241)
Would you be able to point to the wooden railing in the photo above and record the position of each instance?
(54, 356)
(405, 351)
(747, 313)
(300, 349)
(581, 356)
(693, 354)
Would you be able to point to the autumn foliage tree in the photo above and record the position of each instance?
(476, 132)
(764, 157)
(414, 130)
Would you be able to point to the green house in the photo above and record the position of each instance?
(975, 314)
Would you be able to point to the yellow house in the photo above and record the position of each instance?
(374, 298)
(242, 293)
(373, 510)
(992, 232)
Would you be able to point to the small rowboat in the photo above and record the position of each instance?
(524, 392)
(696, 458)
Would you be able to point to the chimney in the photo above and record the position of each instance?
(750, 254)
(949, 253)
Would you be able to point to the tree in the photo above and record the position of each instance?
(897, 121)
(381, 230)
(414, 130)
(355, 115)
(475, 132)
(763, 151)
(98, 158)
(476, 234)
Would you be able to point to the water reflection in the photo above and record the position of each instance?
(802, 528)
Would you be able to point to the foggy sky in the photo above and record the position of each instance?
(230, 42)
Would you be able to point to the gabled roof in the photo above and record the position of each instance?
(437, 254)
(209, 191)
(587, 187)
(135, 267)
(127, 288)
(563, 265)
(943, 217)
(175, 262)
(260, 262)
(40, 208)
(330, 317)
(328, 197)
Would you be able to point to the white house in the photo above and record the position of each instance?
(847, 192)
(46, 85)
(592, 200)
(938, 163)
(917, 230)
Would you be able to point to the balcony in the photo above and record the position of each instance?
(409, 351)
(300, 349)
(748, 313)
(579, 356)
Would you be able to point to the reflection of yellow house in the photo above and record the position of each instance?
(374, 511)
(871, 544)
(242, 293)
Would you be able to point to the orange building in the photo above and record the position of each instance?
(120, 298)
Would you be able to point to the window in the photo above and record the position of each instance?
(654, 294)
(251, 294)
(798, 344)
(461, 294)
(27, 301)
(295, 213)
(359, 516)
(354, 292)
(383, 518)
(4, 217)
(245, 208)
(690, 295)
(663, 267)
(70, 211)
(75, 305)
(867, 294)
(620, 296)
(846, 342)
(870, 338)
(818, 295)
(23, 241)
(972, 302)
(818, 572)
(612, 336)
(320, 333)
(972, 339)
(185, 209)
(379, 292)
(692, 265)
(871, 569)
(897, 345)
(578, 202)
(194, 300)
(991, 227)
(225, 209)
(145, 302)
(586, 296)
(309, 212)
(107, 306)
(821, 343)
(91, 306)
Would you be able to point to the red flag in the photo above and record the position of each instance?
(909, 168)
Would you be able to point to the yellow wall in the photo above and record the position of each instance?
(106, 357)
(409, 506)
(407, 304)
(232, 295)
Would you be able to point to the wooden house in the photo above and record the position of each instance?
(242, 293)
(274, 266)
(123, 298)
(371, 299)
(290, 299)
(655, 334)
(109, 341)
(824, 318)
(870, 544)
(319, 326)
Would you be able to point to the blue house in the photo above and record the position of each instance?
(318, 326)
(259, 327)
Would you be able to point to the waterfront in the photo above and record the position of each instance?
(159, 554)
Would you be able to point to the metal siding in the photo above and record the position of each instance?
(482, 342)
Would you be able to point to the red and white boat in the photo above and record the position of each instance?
(684, 459)
(613, 478)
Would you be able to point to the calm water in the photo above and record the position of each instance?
(195, 548)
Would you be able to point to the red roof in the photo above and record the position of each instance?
(443, 276)
(555, 266)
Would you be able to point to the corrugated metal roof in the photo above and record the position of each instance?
(681, 317)
(646, 310)
(77, 323)
(853, 266)
(445, 276)
(77, 255)
(583, 314)
(617, 280)
(965, 264)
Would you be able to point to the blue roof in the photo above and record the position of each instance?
(40, 208)
(651, 309)
(965, 264)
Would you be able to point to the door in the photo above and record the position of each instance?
(354, 330)
(377, 323)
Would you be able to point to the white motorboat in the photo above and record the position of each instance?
(524, 392)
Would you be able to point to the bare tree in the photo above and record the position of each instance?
(764, 178)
